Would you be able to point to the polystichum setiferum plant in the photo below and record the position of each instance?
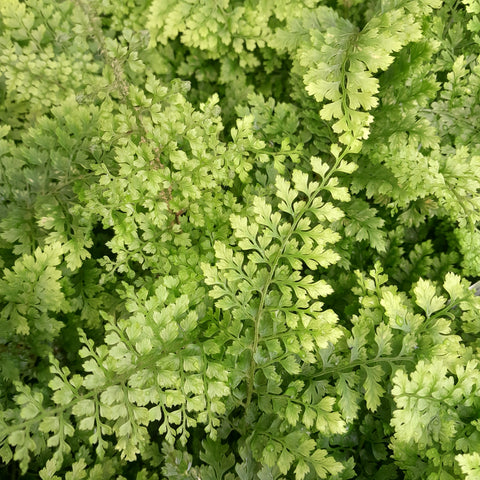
(237, 239)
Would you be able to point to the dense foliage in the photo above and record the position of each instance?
(237, 239)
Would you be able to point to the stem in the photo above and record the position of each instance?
(114, 63)
(263, 296)
(332, 370)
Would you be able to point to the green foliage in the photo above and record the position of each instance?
(237, 239)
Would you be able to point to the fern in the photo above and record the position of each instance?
(237, 239)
